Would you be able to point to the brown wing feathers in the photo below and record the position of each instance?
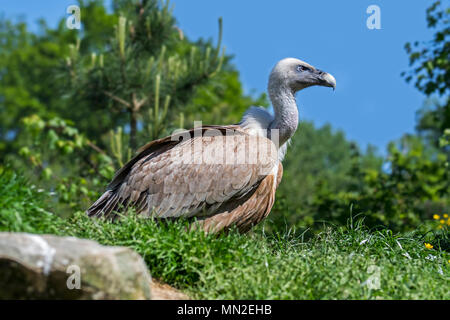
(157, 182)
(246, 212)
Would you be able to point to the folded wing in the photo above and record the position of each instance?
(192, 175)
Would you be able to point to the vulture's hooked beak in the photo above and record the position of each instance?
(326, 79)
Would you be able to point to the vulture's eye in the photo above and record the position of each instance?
(301, 68)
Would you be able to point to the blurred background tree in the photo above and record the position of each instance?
(430, 62)
(27, 86)
(146, 69)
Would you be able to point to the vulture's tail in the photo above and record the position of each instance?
(108, 202)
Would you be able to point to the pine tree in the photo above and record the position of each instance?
(148, 70)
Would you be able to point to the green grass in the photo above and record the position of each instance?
(22, 207)
(334, 264)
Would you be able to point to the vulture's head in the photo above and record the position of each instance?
(296, 75)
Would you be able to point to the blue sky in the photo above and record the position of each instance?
(372, 102)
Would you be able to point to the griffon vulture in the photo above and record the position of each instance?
(222, 176)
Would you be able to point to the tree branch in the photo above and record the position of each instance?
(125, 103)
(137, 104)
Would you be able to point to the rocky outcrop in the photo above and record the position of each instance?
(50, 267)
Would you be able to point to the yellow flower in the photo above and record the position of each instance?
(436, 217)
(439, 227)
(428, 245)
(445, 215)
(442, 221)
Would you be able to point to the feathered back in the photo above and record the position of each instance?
(170, 178)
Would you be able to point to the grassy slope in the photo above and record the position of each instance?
(332, 265)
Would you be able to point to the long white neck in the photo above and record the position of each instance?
(285, 109)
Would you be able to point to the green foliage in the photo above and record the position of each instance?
(98, 25)
(327, 179)
(141, 68)
(431, 72)
(119, 150)
(222, 101)
(413, 185)
(56, 138)
(432, 67)
(26, 85)
(39, 73)
(444, 141)
(22, 207)
(319, 164)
